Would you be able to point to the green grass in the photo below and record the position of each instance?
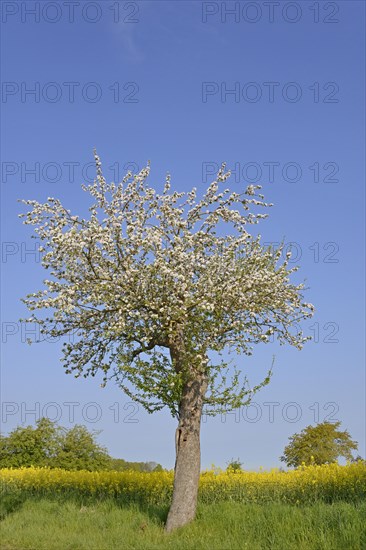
(69, 524)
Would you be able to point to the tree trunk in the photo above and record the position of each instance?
(188, 455)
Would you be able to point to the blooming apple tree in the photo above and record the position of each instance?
(152, 283)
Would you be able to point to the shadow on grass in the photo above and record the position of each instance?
(10, 503)
(156, 512)
(159, 513)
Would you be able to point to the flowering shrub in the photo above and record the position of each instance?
(307, 484)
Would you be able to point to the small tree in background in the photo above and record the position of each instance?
(321, 444)
(148, 289)
(234, 466)
(80, 451)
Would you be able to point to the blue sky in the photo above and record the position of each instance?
(279, 96)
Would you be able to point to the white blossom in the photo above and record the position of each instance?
(147, 271)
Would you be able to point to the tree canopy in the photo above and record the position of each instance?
(147, 276)
(321, 444)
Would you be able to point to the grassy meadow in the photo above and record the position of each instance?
(315, 508)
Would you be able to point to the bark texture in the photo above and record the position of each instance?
(188, 453)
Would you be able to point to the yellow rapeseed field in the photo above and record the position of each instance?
(328, 483)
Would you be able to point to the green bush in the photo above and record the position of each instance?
(49, 445)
